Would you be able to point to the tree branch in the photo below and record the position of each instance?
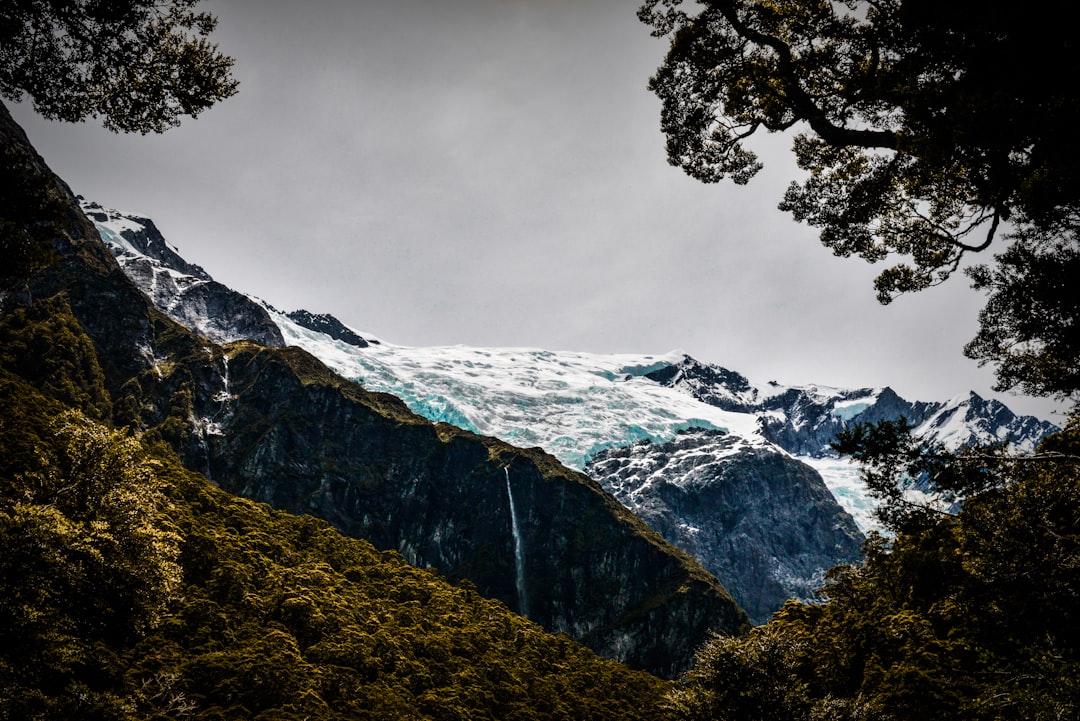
(800, 100)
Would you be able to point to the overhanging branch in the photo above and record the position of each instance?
(800, 100)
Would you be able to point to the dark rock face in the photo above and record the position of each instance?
(807, 425)
(331, 326)
(276, 425)
(212, 309)
(762, 522)
(710, 384)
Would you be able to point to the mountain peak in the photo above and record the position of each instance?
(329, 325)
(134, 236)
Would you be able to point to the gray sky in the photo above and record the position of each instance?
(491, 172)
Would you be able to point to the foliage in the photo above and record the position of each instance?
(748, 677)
(924, 128)
(214, 607)
(89, 561)
(140, 65)
(965, 616)
(1031, 323)
(913, 479)
(44, 344)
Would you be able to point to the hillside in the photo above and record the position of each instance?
(131, 588)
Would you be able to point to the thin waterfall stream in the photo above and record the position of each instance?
(519, 550)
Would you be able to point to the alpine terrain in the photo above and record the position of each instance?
(737, 473)
(276, 425)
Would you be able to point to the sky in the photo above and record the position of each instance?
(492, 173)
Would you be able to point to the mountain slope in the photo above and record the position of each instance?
(131, 588)
(276, 424)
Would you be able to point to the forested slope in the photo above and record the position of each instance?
(132, 588)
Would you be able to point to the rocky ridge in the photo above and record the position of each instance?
(183, 291)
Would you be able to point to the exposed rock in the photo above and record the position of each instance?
(762, 522)
(183, 291)
(331, 326)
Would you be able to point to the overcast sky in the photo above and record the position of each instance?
(492, 173)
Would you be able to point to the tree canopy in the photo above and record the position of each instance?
(139, 65)
(926, 130)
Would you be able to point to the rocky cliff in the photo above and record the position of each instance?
(761, 521)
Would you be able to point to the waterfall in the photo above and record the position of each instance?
(519, 550)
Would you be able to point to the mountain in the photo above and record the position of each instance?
(605, 414)
(804, 420)
(278, 426)
(613, 415)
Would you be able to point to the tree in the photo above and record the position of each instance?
(89, 562)
(139, 65)
(1031, 323)
(926, 129)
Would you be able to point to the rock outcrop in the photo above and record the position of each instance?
(183, 291)
(329, 325)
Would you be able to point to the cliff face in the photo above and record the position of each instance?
(275, 425)
(762, 522)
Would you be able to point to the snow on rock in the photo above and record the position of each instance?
(571, 404)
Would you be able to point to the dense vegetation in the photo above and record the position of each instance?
(132, 588)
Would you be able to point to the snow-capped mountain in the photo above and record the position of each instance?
(804, 419)
(620, 417)
(183, 291)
